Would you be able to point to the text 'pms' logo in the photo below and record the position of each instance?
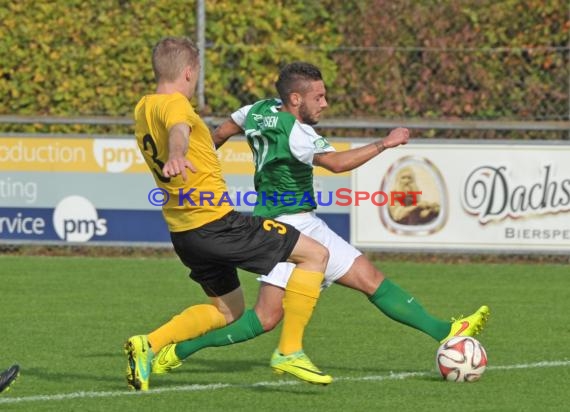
(75, 219)
(116, 155)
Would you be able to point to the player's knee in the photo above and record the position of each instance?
(270, 319)
(236, 314)
(320, 255)
(232, 314)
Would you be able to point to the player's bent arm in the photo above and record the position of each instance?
(178, 139)
(338, 162)
(226, 130)
(178, 143)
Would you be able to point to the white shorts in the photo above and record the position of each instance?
(341, 253)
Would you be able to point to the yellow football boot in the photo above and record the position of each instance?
(471, 325)
(165, 360)
(139, 358)
(299, 365)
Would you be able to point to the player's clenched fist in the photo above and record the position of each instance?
(396, 137)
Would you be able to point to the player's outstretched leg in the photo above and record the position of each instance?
(8, 377)
(299, 365)
(470, 325)
(248, 326)
(139, 358)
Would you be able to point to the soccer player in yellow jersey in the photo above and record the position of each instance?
(210, 237)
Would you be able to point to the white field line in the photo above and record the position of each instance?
(218, 386)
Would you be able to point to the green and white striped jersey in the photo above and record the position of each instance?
(283, 150)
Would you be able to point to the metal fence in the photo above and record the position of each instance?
(341, 127)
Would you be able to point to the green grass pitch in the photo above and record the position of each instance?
(64, 320)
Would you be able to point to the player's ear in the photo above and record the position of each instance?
(295, 99)
(188, 73)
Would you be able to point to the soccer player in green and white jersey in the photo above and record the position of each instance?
(285, 148)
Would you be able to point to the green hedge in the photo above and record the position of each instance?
(465, 59)
(82, 57)
(461, 59)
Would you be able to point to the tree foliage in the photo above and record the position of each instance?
(250, 41)
(440, 59)
(460, 59)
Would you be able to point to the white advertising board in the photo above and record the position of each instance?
(474, 196)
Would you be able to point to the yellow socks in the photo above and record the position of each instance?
(301, 295)
(192, 322)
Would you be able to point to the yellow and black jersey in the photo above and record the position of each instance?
(204, 197)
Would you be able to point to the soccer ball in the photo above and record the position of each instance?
(461, 359)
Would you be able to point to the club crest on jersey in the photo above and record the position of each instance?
(321, 143)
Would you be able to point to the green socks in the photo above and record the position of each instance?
(394, 302)
(398, 305)
(246, 327)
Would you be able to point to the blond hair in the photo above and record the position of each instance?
(171, 55)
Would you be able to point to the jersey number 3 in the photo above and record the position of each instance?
(269, 224)
(149, 142)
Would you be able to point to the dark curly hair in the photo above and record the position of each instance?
(294, 78)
